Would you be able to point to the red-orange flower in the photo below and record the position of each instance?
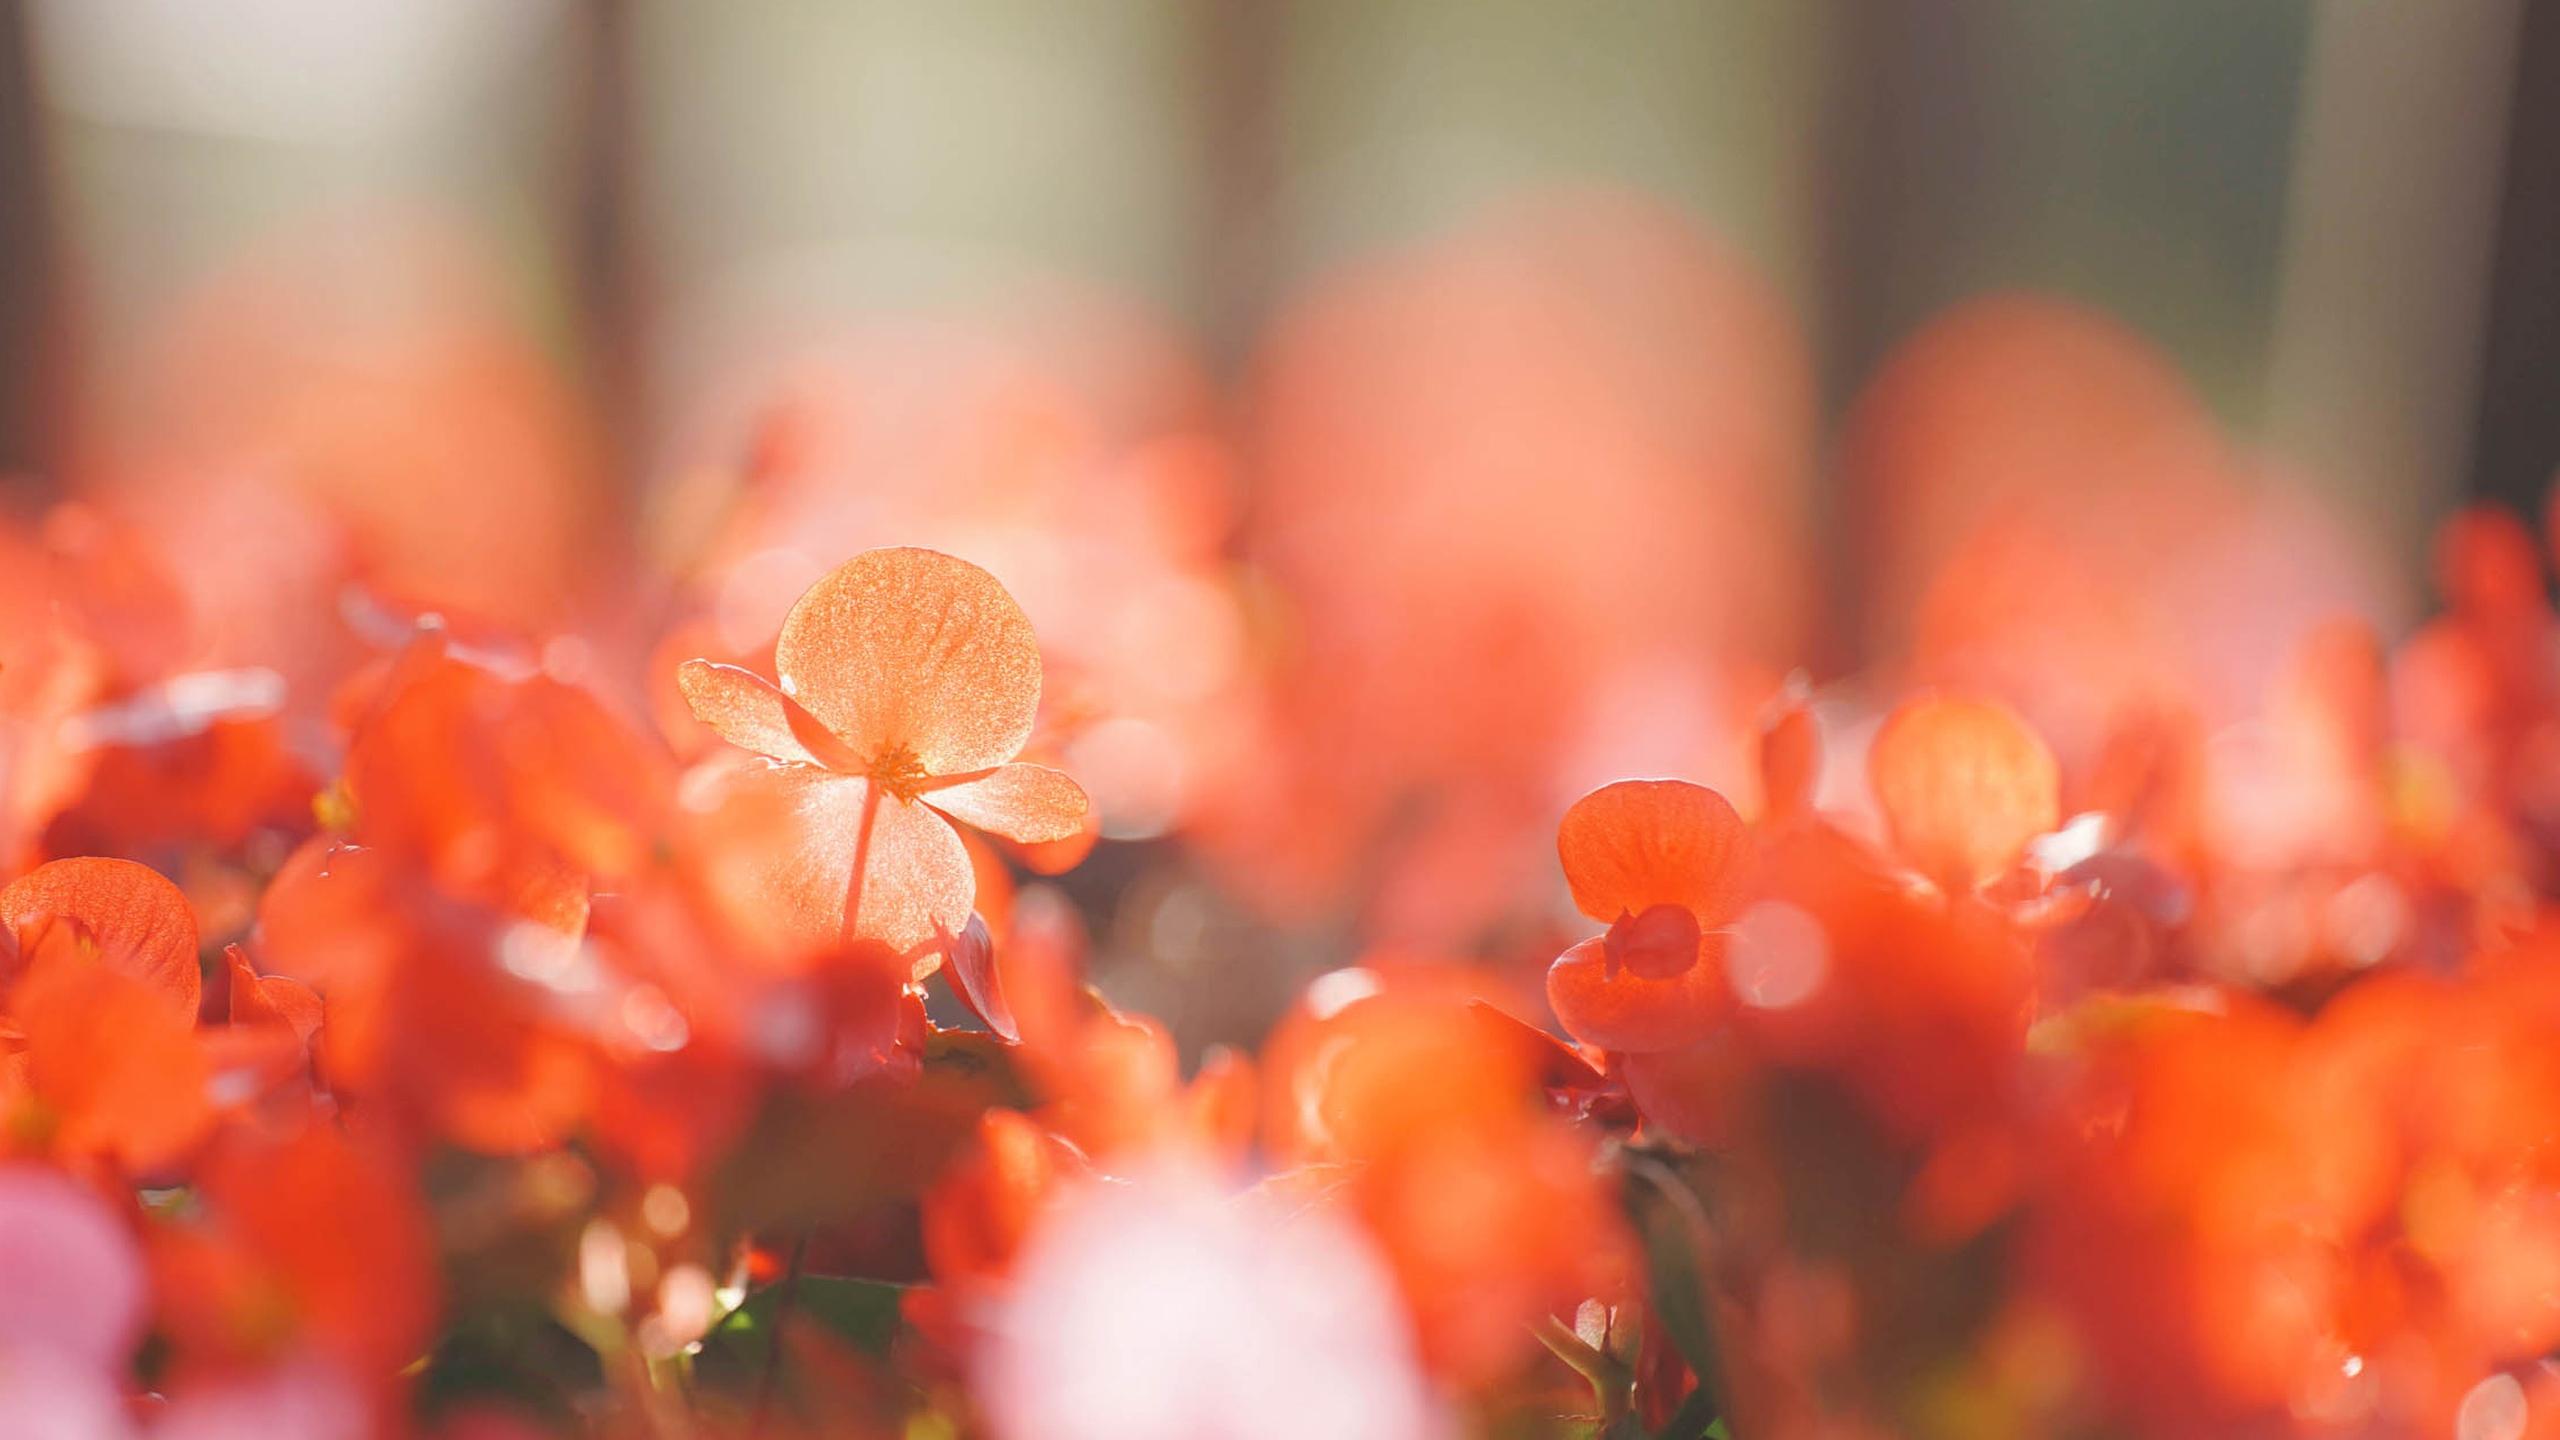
(98, 990)
(909, 681)
(126, 915)
(1662, 863)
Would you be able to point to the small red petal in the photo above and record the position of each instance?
(1657, 945)
(970, 959)
(1628, 1012)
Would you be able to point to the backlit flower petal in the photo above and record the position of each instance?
(1636, 844)
(270, 1000)
(1964, 784)
(916, 878)
(912, 648)
(748, 711)
(1029, 803)
(970, 960)
(915, 875)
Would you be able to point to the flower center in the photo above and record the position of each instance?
(1658, 944)
(898, 771)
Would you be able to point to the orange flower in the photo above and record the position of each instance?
(909, 683)
(1489, 1210)
(1964, 785)
(423, 1013)
(98, 1049)
(1662, 862)
(127, 916)
(104, 1067)
(313, 1242)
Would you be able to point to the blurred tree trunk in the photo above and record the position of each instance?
(2517, 444)
(180, 140)
(2375, 379)
(1398, 120)
(2129, 157)
(603, 240)
(32, 374)
(806, 159)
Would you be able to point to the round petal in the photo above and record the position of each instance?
(794, 879)
(912, 648)
(1029, 803)
(749, 712)
(139, 922)
(1627, 1012)
(1964, 785)
(1635, 844)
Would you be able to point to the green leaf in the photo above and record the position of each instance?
(1671, 1220)
(517, 1354)
(863, 1313)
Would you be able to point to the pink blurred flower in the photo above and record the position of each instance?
(305, 1400)
(1168, 1310)
(71, 1278)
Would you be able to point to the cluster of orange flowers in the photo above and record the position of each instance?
(538, 1081)
(668, 1000)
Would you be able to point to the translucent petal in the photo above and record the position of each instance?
(1029, 803)
(914, 648)
(1635, 844)
(1057, 857)
(915, 873)
(1964, 785)
(970, 960)
(749, 712)
(916, 880)
(274, 1000)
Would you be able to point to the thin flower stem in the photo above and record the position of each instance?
(861, 860)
